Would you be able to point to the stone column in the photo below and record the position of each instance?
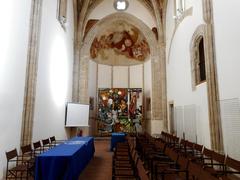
(31, 72)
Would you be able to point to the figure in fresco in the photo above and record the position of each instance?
(123, 107)
(132, 107)
(115, 116)
(110, 103)
(126, 40)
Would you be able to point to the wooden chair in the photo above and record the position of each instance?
(194, 170)
(125, 169)
(232, 167)
(38, 149)
(207, 160)
(27, 152)
(217, 164)
(142, 173)
(16, 169)
(27, 157)
(197, 153)
(162, 167)
(205, 175)
(46, 144)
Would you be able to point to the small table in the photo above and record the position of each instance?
(117, 137)
(65, 161)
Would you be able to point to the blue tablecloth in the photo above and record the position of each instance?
(117, 137)
(65, 161)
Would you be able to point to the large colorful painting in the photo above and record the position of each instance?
(120, 44)
(120, 110)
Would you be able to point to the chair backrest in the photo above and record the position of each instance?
(207, 152)
(197, 147)
(136, 158)
(218, 157)
(26, 149)
(45, 141)
(141, 171)
(37, 144)
(52, 139)
(11, 154)
(189, 145)
(182, 144)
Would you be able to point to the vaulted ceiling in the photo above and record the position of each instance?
(161, 4)
(112, 47)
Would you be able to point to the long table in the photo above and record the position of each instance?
(115, 138)
(65, 161)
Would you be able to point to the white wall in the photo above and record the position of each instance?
(227, 47)
(120, 77)
(136, 76)
(179, 87)
(104, 76)
(13, 57)
(170, 26)
(135, 8)
(54, 81)
(227, 38)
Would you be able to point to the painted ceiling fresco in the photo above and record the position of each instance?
(120, 44)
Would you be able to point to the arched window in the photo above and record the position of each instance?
(197, 52)
(200, 63)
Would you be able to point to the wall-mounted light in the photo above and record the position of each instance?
(120, 5)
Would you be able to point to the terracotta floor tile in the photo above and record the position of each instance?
(100, 167)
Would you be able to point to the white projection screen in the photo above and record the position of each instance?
(77, 115)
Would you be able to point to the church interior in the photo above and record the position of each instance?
(159, 72)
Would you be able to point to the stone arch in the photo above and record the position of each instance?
(156, 103)
(194, 51)
(147, 32)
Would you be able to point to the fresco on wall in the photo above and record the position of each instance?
(119, 110)
(120, 44)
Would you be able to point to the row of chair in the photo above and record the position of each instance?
(167, 157)
(218, 164)
(126, 163)
(22, 166)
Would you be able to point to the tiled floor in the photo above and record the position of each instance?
(100, 167)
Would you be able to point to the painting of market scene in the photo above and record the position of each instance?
(120, 110)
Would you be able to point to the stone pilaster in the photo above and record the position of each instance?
(212, 85)
(159, 98)
(31, 72)
(76, 91)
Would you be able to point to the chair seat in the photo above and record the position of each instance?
(19, 168)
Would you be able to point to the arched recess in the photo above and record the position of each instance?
(194, 51)
(156, 101)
